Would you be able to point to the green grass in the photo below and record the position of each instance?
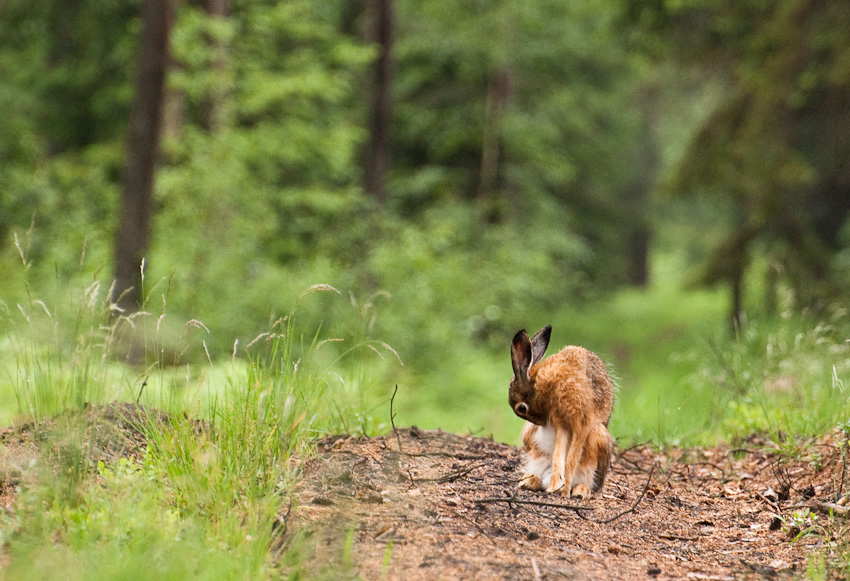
(654, 341)
(202, 502)
(684, 378)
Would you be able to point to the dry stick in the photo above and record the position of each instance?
(451, 475)
(628, 510)
(716, 467)
(622, 458)
(283, 520)
(512, 499)
(503, 482)
(743, 451)
(392, 419)
(769, 502)
(829, 508)
(535, 569)
(141, 389)
(425, 454)
(843, 464)
(672, 537)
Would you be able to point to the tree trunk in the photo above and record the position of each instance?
(377, 155)
(497, 95)
(142, 147)
(637, 254)
(736, 309)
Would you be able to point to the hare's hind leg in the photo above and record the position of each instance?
(605, 447)
(593, 467)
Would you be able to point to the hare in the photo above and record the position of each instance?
(567, 400)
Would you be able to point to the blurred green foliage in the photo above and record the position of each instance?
(544, 157)
(611, 167)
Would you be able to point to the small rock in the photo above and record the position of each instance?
(532, 535)
(322, 500)
(775, 523)
(654, 570)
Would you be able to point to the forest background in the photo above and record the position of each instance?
(665, 182)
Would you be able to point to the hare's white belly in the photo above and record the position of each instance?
(545, 439)
(541, 465)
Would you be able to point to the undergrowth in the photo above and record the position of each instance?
(208, 498)
(787, 378)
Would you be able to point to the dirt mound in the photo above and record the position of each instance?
(98, 433)
(105, 432)
(431, 505)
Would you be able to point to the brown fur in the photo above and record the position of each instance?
(567, 397)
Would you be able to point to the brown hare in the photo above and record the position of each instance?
(567, 400)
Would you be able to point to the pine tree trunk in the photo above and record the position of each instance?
(132, 237)
(377, 155)
(497, 94)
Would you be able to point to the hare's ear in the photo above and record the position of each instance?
(521, 355)
(539, 343)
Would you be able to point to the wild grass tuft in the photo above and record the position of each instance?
(785, 378)
(209, 497)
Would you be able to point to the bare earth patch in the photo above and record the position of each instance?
(432, 505)
(418, 504)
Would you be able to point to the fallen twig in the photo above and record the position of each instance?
(451, 476)
(392, 419)
(512, 499)
(141, 389)
(535, 569)
(421, 454)
(628, 510)
(829, 508)
(672, 537)
(504, 482)
(844, 447)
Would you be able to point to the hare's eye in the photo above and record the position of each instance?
(521, 409)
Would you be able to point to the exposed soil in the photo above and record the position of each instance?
(100, 433)
(432, 505)
(429, 505)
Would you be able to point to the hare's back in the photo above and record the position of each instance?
(576, 364)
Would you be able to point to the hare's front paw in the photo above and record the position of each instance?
(558, 485)
(531, 482)
(581, 491)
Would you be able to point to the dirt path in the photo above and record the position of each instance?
(438, 509)
(431, 505)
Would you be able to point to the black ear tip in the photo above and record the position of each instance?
(519, 335)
